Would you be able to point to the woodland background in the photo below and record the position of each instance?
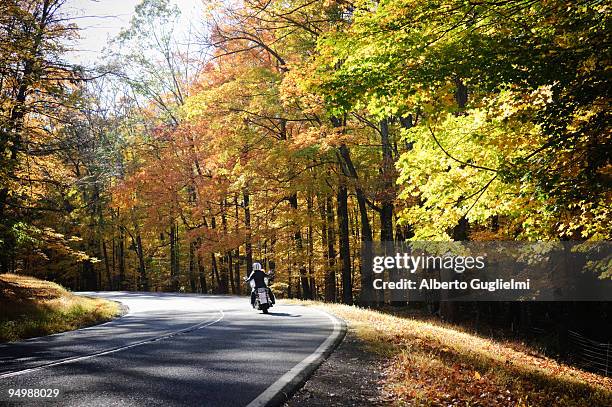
(290, 132)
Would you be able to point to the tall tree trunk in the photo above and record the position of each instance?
(237, 254)
(230, 269)
(121, 254)
(311, 279)
(405, 232)
(138, 248)
(386, 209)
(238, 282)
(328, 241)
(202, 275)
(215, 273)
(367, 277)
(327, 296)
(345, 250)
(174, 274)
(107, 266)
(386, 213)
(289, 277)
(142, 269)
(247, 223)
(114, 266)
(448, 309)
(343, 214)
(299, 245)
(192, 265)
(331, 248)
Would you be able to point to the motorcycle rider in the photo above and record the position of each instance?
(258, 275)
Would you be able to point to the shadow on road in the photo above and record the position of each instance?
(228, 363)
(283, 314)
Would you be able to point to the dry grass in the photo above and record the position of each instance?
(430, 363)
(31, 307)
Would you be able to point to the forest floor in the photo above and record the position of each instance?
(30, 307)
(410, 361)
(351, 376)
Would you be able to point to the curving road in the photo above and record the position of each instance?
(170, 350)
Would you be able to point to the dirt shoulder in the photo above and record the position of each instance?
(401, 360)
(351, 376)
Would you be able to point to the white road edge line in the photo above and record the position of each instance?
(117, 349)
(275, 388)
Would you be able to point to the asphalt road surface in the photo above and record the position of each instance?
(170, 349)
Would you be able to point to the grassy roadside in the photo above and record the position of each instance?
(30, 307)
(430, 363)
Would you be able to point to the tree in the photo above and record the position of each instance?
(36, 86)
(525, 129)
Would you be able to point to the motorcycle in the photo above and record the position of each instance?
(263, 300)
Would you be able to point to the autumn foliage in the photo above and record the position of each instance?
(299, 131)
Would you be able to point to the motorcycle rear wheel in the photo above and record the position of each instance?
(264, 308)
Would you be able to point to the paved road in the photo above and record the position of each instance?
(170, 349)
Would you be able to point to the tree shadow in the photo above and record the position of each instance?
(283, 314)
(226, 364)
